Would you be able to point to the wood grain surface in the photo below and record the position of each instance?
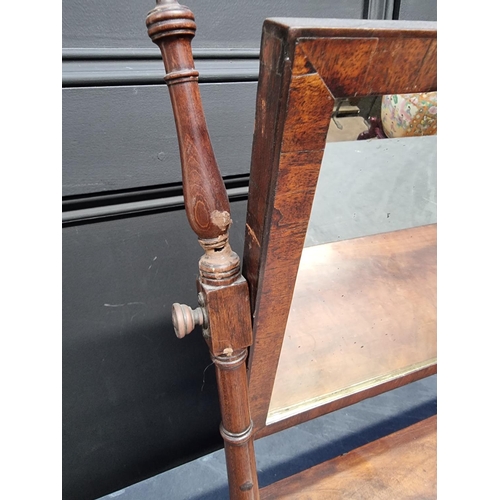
(172, 27)
(400, 466)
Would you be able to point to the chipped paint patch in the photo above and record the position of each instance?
(221, 219)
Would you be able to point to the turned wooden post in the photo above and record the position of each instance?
(223, 298)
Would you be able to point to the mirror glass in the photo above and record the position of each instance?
(364, 305)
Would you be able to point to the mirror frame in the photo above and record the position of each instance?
(298, 86)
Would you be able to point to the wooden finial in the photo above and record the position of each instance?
(171, 26)
(170, 18)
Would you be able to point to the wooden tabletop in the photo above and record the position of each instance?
(399, 466)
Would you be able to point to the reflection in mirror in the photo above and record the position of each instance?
(364, 305)
(377, 185)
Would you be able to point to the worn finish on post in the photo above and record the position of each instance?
(236, 427)
(306, 65)
(223, 296)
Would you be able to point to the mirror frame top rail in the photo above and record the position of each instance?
(305, 65)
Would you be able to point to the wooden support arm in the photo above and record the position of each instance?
(171, 26)
(223, 296)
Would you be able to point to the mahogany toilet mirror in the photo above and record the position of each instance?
(298, 332)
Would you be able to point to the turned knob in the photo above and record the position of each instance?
(185, 319)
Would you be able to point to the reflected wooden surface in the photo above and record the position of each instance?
(401, 465)
(363, 312)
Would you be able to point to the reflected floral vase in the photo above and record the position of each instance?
(408, 115)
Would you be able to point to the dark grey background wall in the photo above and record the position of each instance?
(137, 401)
